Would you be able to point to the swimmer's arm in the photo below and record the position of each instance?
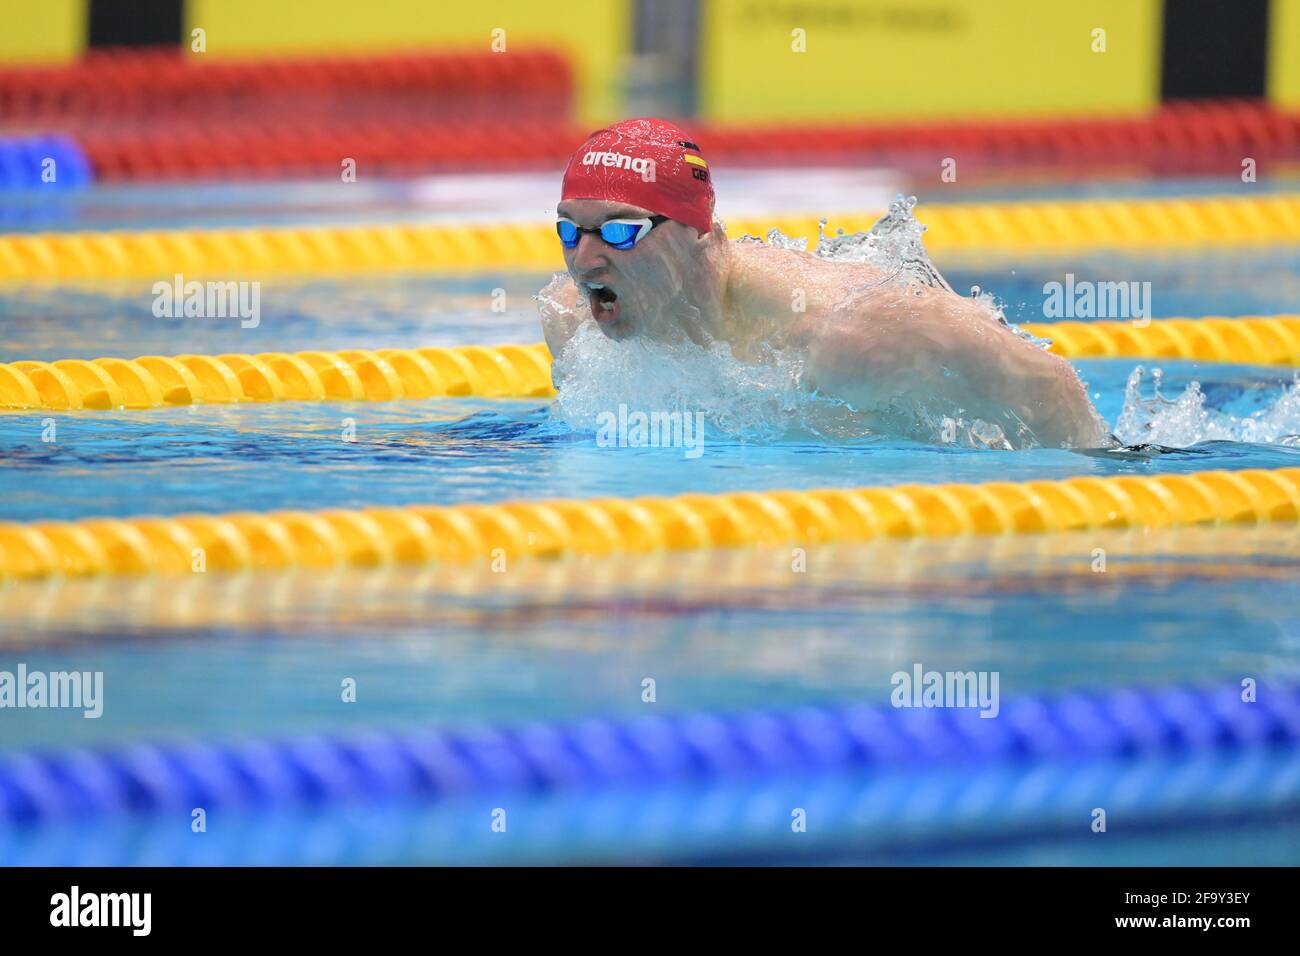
(945, 350)
(558, 306)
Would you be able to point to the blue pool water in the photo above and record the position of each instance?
(807, 642)
(89, 320)
(258, 657)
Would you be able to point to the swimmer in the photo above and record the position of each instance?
(647, 259)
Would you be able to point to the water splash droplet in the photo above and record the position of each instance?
(1184, 421)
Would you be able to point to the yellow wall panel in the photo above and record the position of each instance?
(931, 58)
(595, 33)
(1284, 53)
(45, 30)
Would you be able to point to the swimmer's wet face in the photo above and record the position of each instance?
(636, 290)
(659, 285)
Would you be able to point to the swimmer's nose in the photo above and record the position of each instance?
(590, 254)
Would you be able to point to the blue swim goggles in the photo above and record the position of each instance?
(618, 233)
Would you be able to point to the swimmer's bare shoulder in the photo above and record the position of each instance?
(767, 277)
(873, 342)
(936, 347)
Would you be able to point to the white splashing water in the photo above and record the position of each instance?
(760, 402)
(1183, 421)
(896, 245)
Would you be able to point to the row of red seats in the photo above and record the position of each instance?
(1189, 127)
(167, 82)
(1177, 138)
(256, 149)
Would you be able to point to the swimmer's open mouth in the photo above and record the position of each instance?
(604, 302)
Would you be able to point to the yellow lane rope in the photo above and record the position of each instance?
(332, 250)
(524, 371)
(501, 371)
(1246, 340)
(468, 534)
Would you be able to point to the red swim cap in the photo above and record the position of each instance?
(647, 163)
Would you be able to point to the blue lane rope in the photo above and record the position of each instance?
(437, 764)
(43, 162)
(860, 815)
